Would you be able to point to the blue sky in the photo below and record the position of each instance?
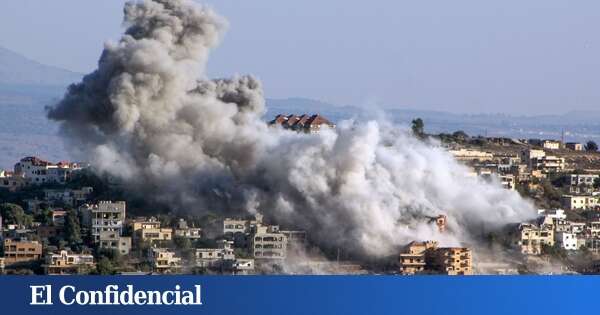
(514, 56)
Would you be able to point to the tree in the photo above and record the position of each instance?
(591, 146)
(105, 266)
(72, 228)
(597, 183)
(460, 135)
(418, 127)
(182, 242)
(13, 214)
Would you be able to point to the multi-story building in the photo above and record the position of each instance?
(412, 259)
(567, 241)
(69, 263)
(532, 237)
(71, 197)
(582, 183)
(295, 239)
(37, 171)
(451, 260)
(548, 164)
(113, 241)
(268, 243)
(21, 251)
(214, 257)
(183, 230)
(573, 202)
(164, 261)
(106, 216)
(427, 257)
(507, 181)
(233, 226)
(11, 182)
(155, 235)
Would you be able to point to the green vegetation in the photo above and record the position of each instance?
(418, 127)
(14, 214)
(591, 146)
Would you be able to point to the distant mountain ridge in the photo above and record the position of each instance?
(27, 82)
(17, 70)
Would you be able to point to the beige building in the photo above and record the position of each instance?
(573, 202)
(233, 226)
(427, 257)
(451, 260)
(65, 262)
(532, 237)
(412, 259)
(155, 235)
(21, 251)
(164, 261)
(471, 155)
(214, 257)
(268, 243)
(112, 240)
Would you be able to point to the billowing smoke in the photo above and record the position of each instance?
(149, 116)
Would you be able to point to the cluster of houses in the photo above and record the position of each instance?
(242, 246)
(553, 229)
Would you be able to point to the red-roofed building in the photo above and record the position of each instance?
(304, 122)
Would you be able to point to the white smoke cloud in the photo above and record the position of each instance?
(146, 117)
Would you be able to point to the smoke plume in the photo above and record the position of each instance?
(149, 116)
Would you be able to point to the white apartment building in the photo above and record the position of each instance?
(37, 171)
(567, 241)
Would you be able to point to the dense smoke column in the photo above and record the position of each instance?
(148, 116)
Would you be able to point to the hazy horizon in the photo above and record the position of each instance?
(517, 58)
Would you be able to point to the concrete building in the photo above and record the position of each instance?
(37, 171)
(11, 182)
(164, 261)
(530, 154)
(463, 154)
(575, 146)
(295, 239)
(214, 257)
(554, 214)
(573, 202)
(67, 263)
(508, 181)
(548, 164)
(567, 241)
(451, 260)
(155, 235)
(21, 251)
(532, 237)
(233, 226)
(582, 183)
(427, 257)
(412, 259)
(113, 241)
(106, 216)
(268, 243)
(71, 197)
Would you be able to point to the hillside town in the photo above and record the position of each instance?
(62, 218)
